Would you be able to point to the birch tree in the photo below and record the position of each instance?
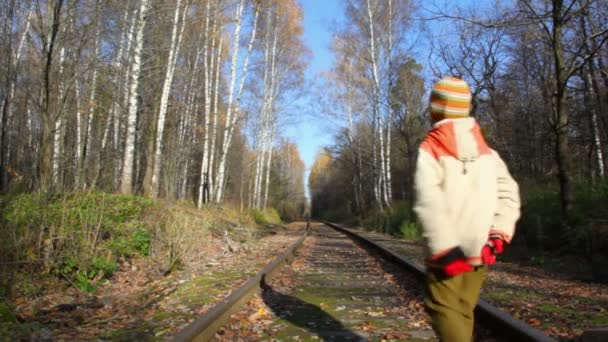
(176, 39)
(126, 185)
(209, 62)
(233, 111)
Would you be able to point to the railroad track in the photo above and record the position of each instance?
(340, 287)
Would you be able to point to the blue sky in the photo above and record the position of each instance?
(308, 133)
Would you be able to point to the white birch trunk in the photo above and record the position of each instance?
(30, 129)
(128, 69)
(105, 136)
(387, 168)
(216, 96)
(266, 112)
(58, 124)
(77, 159)
(267, 183)
(376, 108)
(127, 170)
(229, 126)
(595, 127)
(249, 50)
(204, 180)
(164, 100)
(271, 111)
(263, 121)
(258, 179)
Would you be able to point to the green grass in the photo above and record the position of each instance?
(549, 308)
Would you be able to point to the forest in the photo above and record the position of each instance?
(150, 130)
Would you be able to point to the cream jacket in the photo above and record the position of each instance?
(464, 191)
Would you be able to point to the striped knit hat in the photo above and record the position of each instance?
(450, 98)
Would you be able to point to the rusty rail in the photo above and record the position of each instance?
(205, 326)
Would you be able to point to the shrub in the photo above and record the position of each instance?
(399, 215)
(258, 216)
(542, 229)
(270, 216)
(141, 241)
(411, 231)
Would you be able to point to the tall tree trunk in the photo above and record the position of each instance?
(45, 167)
(591, 94)
(79, 149)
(264, 114)
(229, 129)
(271, 110)
(164, 100)
(378, 180)
(120, 133)
(562, 148)
(203, 190)
(126, 185)
(267, 182)
(216, 95)
(388, 191)
(590, 97)
(59, 126)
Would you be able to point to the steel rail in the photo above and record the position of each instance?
(206, 325)
(489, 315)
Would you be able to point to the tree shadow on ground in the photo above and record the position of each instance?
(307, 316)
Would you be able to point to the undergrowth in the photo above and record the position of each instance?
(268, 216)
(543, 233)
(76, 236)
(84, 237)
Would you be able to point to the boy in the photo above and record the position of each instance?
(468, 204)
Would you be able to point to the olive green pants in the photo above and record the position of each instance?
(451, 301)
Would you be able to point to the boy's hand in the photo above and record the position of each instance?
(497, 244)
(451, 263)
(494, 246)
(488, 257)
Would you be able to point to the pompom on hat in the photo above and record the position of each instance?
(450, 98)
